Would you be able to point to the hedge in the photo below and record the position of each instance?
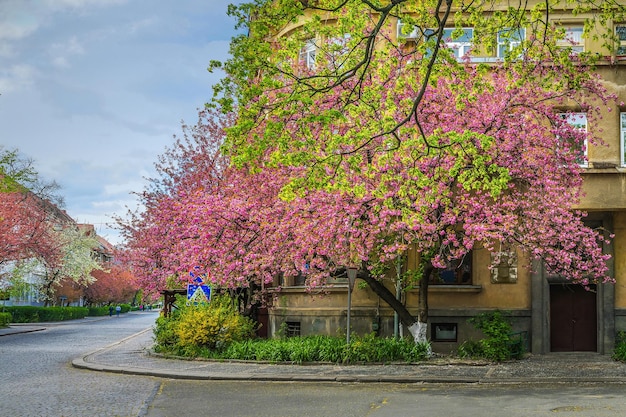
(32, 314)
(104, 311)
(5, 319)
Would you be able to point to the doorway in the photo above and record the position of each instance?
(573, 318)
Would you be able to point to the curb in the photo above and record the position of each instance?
(87, 361)
(83, 363)
(12, 330)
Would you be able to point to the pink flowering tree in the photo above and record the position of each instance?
(489, 162)
(392, 140)
(346, 157)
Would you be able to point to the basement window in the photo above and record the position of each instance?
(293, 328)
(443, 332)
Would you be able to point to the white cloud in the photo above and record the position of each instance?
(62, 51)
(81, 3)
(116, 189)
(16, 23)
(16, 77)
(94, 90)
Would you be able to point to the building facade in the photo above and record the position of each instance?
(556, 315)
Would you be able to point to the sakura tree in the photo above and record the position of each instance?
(293, 52)
(74, 262)
(350, 161)
(486, 164)
(24, 228)
(36, 234)
(114, 285)
(396, 143)
(192, 168)
(488, 161)
(27, 203)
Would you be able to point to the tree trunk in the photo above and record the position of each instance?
(417, 325)
(420, 328)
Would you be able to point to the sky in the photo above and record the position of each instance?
(94, 90)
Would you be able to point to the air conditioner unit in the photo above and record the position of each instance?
(413, 34)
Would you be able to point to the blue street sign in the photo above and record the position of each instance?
(198, 294)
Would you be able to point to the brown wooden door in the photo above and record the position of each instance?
(573, 318)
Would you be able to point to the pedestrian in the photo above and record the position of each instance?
(110, 311)
(117, 310)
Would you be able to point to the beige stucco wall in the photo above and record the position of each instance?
(483, 294)
(325, 311)
(619, 250)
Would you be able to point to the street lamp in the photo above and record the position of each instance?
(351, 278)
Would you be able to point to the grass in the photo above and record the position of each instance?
(367, 349)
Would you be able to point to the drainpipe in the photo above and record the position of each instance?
(396, 318)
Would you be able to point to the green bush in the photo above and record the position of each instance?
(24, 314)
(470, 349)
(98, 311)
(619, 353)
(497, 345)
(218, 331)
(320, 349)
(206, 326)
(32, 314)
(5, 319)
(165, 333)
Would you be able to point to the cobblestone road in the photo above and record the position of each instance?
(38, 379)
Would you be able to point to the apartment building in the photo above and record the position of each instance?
(556, 315)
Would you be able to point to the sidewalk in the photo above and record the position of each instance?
(16, 328)
(132, 356)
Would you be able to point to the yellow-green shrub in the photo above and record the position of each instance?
(212, 325)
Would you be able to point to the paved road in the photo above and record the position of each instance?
(38, 379)
(254, 399)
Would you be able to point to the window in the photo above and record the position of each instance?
(457, 272)
(578, 121)
(443, 332)
(573, 39)
(289, 280)
(458, 40)
(509, 39)
(406, 32)
(307, 54)
(622, 129)
(292, 328)
(620, 33)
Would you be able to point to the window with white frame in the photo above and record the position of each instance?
(509, 39)
(307, 54)
(407, 31)
(622, 124)
(578, 120)
(573, 39)
(458, 40)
